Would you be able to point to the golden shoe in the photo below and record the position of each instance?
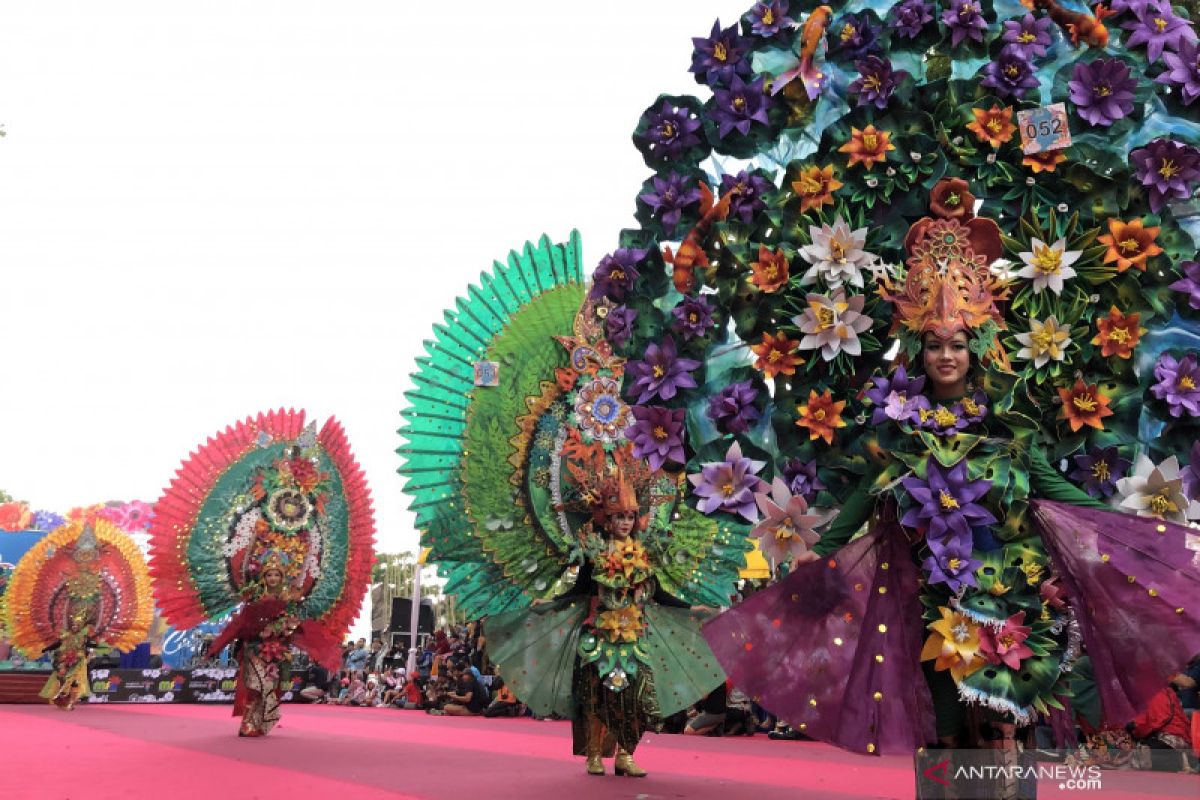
(595, 764)
(625, 765)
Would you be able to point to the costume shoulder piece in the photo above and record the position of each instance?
(85, 575)
(266, 492)
(516, 419)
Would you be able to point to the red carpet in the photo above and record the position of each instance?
(184, 751)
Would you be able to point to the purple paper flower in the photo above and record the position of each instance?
(910, 17)
(1168, 169)
(951, 563)
(1102, 91)
(729, 485)
(618, 325)
(739, 106)
(1183, 71)
(657, 435)
(768, 19)
(965, 21)
(1011, 74)
(1098, 471)
(1117, 7)
(720, 57)
(1030, 35)
(1191, 473)
(1189, 284)
(853, 36)
(662, 373)
(747, 192)
(1178, 384)
(732, 409)
(693, 317)
(1158, 27)
(897, 397)
(47, 520)
(946, 501)
(615, 275)
(801, 478)
(669, 131)
(876, 82)
(670, 196)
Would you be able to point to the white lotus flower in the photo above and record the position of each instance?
(836, 254)
(833, 324)
(1156, 490)
(1048, 265)
(1046, 341)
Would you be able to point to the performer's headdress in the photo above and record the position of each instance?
(615, 495)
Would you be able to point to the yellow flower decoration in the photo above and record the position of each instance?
(627, 558)
(620, 625)
(954, 642)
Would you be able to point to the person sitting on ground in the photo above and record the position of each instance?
(370, 697)
(504, 702)
(711, 719)
(353, 693)
(413, 695)
(1165, 729)
(435, 696)
(316, 678)
(393, 685)
(468, 698)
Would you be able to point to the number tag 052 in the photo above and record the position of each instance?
(1044, 128)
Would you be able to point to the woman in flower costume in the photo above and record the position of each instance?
(272, 520)
(84, 584)
(1018, 184)
(520, 458)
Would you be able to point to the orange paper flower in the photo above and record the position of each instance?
(867, 147)
(994, 126)
(1129, 244)
(1045, 161)
(1119, 334)
(770, 271)
(1084, 405)
(776, 355)
(815, 187)
(821, 415)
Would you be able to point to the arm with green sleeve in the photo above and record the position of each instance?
(855, 512)
(1048, 483)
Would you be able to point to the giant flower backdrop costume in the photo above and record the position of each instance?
(273, 519)
(873, 172)
(84, 584)
(520, 448)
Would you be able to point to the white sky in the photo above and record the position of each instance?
(212, 209)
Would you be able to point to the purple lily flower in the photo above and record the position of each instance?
(896, 397)
(769, 19)
(729, 485)
(657, 435)
(739, 106)
(910, 17)
(1189, 284)
(1191, 473)
(662, 373)
(618, 325)
(670, 196)
(1178, 384)
(47, 520)
(801, 478)
(965, 20)
(1168, 169)
(748, 193)
(693, 317)
(1102, 91)
(1011, 75)
(946, 501)
(1135, 7)
(853, 36)
(1183, 71)
(719, 58)
(951, 563)
(732, 409)
(1158, 28)
(1097, 472)
(615, 275)
(876, 82)
(1031, 35)
(669, 131)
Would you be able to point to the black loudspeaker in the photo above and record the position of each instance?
(402, 615)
